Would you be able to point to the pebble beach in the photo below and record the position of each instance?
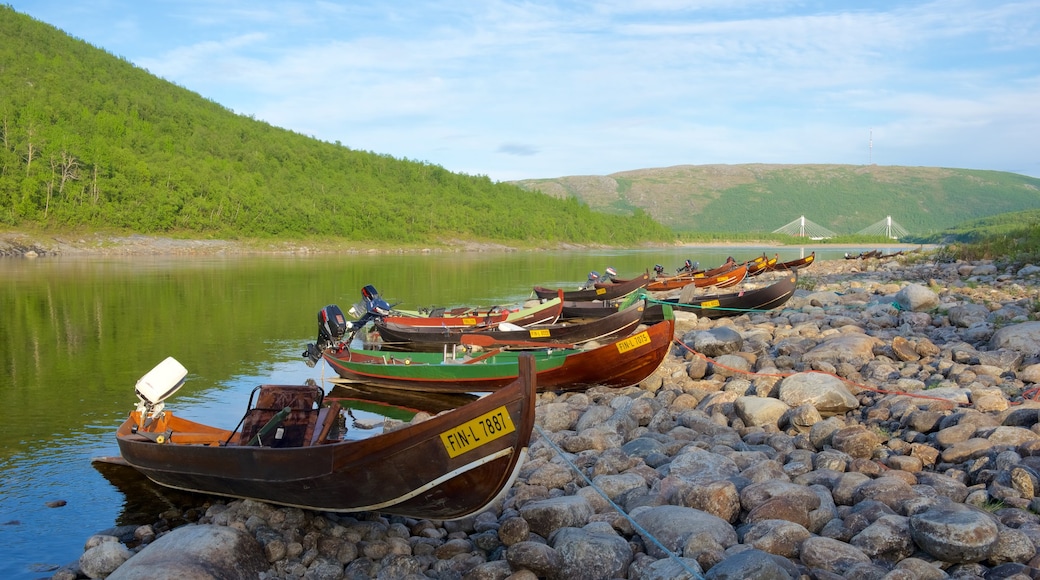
(883, 424)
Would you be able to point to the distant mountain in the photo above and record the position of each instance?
(90, 141)
(845, 199)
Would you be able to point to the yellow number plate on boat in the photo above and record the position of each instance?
(601, 291)
(539, 333)
(476, 432)
(469, 321)
(709, 304)
(633, 342)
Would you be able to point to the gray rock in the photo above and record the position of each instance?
(550, 514)
(103, 558)
(1023, 338)
(753, 564)
(757, 411)
(198, 552)
(779, 537)
(539, 558)
(831, 555)
(716, 341)
(955, 532)
(673, 525)
(592, 552)
(855, 349)
(916, 298)
(827, 393)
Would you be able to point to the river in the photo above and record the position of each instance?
(77, 333)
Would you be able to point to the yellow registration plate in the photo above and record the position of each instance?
(633, 342)
(469, 321)
(476, 432)
(539, 333)
(709, 304)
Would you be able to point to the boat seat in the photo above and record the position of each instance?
(688, 294)
(296, 429)
(327, 418)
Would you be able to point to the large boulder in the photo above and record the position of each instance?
(199, 552)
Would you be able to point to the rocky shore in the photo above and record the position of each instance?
(881, 425)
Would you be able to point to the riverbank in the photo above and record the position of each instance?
(882, 424)
(36, 244)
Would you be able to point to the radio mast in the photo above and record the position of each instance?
(870, 147)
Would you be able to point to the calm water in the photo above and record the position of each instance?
(76, 334)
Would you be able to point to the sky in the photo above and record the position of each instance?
(541, 89)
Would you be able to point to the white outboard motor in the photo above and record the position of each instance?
(157, 385)
(591, 280)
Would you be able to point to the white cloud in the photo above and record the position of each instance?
(541, 89)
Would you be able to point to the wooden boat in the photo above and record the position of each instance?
(803, 262)
(863, 255)
(600, 291)
(291, 449)
(546, 312)
(761, 264)
(733, 304)
(724, 279)
(424, 338)
(620, 363)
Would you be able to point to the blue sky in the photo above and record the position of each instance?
(517, 90)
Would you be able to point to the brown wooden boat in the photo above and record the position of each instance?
(620, 363)
(803, 262)
(724, 279)
(623, 322)
(600, 291)
(732, 304)
(761, 264)
(291, 449)
(546, 312)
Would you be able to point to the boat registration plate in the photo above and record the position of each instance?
(469, 321)
(478, 431)
(539, 333)
(709, 304)
(633, 342)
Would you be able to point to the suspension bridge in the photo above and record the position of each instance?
(804, 228)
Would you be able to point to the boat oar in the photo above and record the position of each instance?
(489, 341)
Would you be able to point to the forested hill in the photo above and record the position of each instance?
(845, 199)
(89, 140)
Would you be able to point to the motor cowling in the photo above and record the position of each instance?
(332, 327)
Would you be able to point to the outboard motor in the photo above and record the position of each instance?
(658, 270)
(591, 280)
(374, 305)
(333, 326)
(611, 273)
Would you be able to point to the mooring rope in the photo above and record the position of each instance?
(642, 531)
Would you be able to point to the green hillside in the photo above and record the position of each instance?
(88, 140)
(842, 198)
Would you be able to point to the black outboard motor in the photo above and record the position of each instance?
(658, 270)
(333, 326)
(373, 303)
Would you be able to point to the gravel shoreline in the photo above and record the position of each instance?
(881, 425)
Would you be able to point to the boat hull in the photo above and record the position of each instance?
(412, 471)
